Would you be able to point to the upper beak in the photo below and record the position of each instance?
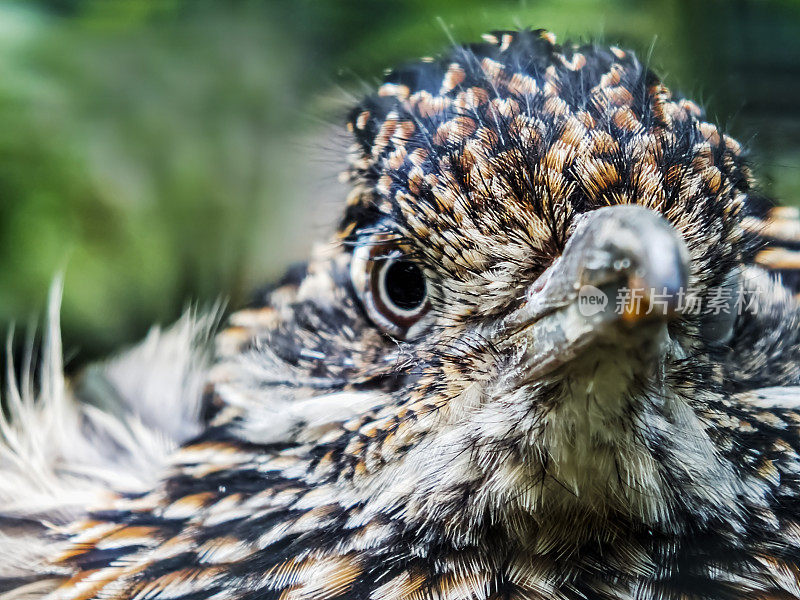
(622, 265)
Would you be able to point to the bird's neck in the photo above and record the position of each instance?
(608, 449)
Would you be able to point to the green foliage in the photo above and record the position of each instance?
(176, 150)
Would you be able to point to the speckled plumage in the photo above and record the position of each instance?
(451, 461)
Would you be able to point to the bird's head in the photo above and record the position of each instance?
(505, 312)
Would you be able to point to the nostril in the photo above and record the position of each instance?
(603, 265)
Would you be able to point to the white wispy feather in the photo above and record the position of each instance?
(63, 447)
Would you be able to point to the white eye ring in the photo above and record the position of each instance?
(393, 289)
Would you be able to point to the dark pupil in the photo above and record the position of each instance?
(405, 284)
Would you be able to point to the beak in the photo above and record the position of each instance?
(623, 268)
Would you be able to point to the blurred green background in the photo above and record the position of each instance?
(166, 152)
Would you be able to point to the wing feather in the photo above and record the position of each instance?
(778, 229)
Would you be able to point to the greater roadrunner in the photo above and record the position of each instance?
(545, 356)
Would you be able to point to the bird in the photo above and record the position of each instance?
(550, 351)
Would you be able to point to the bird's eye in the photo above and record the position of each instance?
(718, 326)
(392, 287)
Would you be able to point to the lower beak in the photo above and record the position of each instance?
(623, 266)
